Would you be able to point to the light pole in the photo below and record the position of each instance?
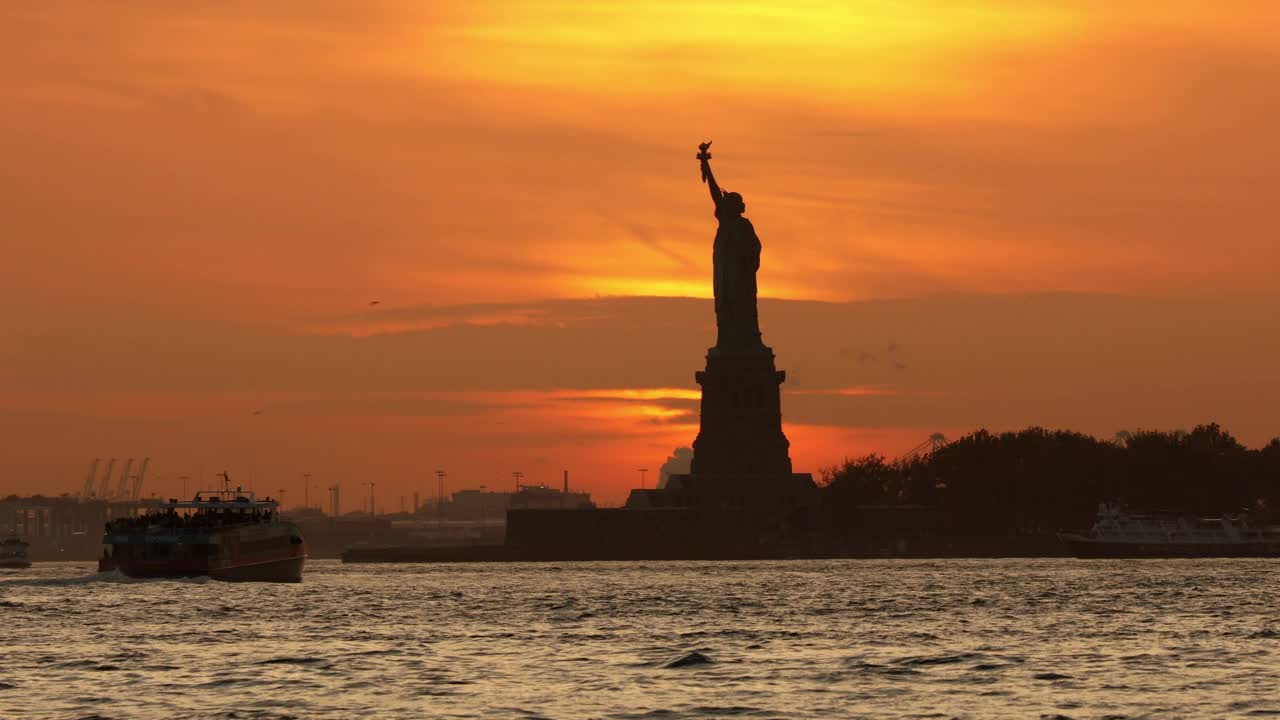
(281, 499)
(517, 475)
(642, 472)
(253, 455)
(370, 484)
(306, 490)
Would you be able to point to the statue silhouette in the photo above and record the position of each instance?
(735, 259)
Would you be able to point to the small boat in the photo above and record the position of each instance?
(1118, 533)
(222, 534)
(13, 553)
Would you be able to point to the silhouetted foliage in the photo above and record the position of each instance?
(1038, 480)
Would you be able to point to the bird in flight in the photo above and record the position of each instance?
(257, 412)
(374, 302)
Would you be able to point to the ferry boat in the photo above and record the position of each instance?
(223, 534)
(13, 553)
(1117, 533)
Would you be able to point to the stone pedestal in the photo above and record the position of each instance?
(740, 486)
(740, 432)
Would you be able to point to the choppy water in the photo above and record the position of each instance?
(967, 638)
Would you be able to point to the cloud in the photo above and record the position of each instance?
(972, 355)
(607, 385)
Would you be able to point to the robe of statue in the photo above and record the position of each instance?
(735, 259)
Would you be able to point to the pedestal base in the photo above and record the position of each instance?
(747, 508)
(740, 429)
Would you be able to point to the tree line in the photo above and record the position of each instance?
(1038, 480)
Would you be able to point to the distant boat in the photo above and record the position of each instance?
(223, 534)
(1118, 533)
(13, 553)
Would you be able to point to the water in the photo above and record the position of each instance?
(953, 638)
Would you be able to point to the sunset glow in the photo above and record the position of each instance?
(377, 238)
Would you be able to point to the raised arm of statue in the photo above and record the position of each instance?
(707, 176)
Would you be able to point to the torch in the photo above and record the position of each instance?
(704, 156)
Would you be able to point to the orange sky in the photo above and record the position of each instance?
(987, 213)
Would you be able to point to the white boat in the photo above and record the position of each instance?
(1118, 533)
(13, 553)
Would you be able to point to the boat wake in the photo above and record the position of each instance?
(110, 577)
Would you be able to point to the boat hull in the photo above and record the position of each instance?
(14, 564)
(283, 569)
(272, 552)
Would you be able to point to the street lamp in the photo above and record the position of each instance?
(642, 472)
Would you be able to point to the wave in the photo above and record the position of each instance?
(366, 638)
(924, 660)
(293, 661)
(688, 660)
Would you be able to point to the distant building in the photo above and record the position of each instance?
(471, 505)
(541, 497)
(481, 505)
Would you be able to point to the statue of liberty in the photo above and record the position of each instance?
(735, 259)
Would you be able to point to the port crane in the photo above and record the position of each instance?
(87, 492)
(122, 485)
(136, 491)
(128, 487)
(105, 482)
